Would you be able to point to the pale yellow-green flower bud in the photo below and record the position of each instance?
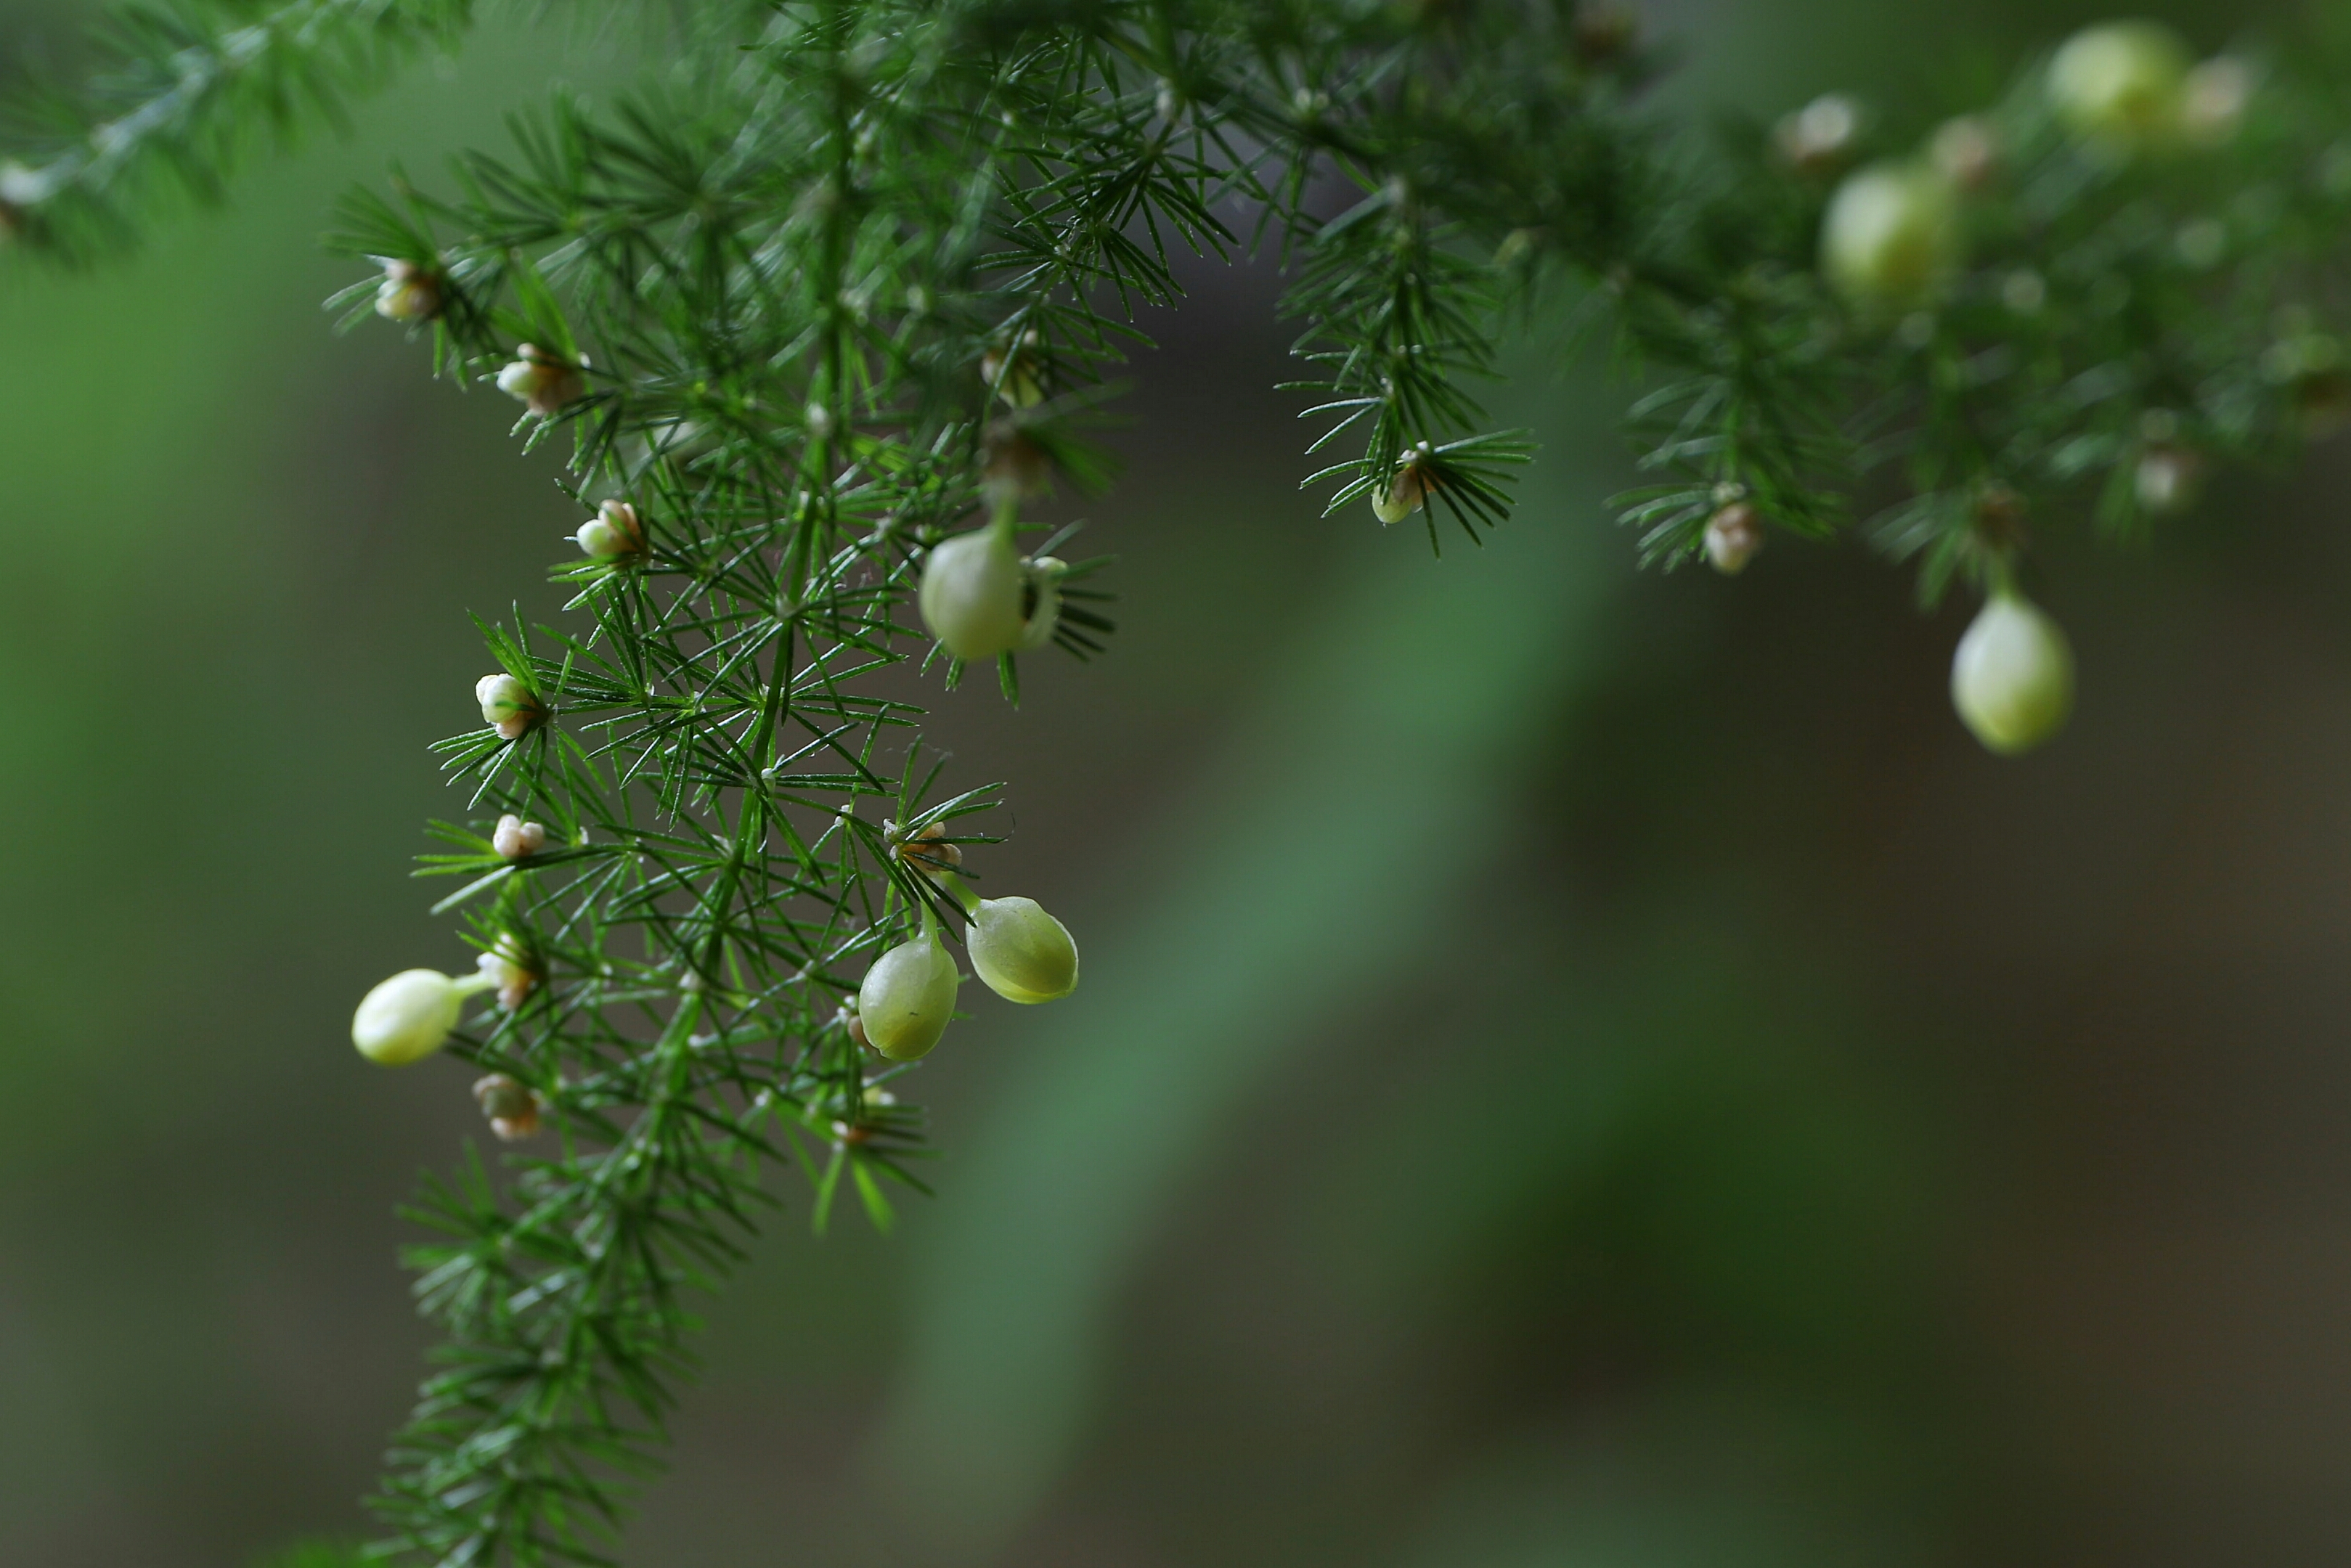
(409, 1016)
(1891, 236)
(907, 998)
(1407, 492)
(541, 381)
(613, 532)
(2013, 675)
(408, 293)
(508, 703)
(1023, 953)
(2121, 85)
(974, 591)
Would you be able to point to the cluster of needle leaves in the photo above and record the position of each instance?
(842, 276)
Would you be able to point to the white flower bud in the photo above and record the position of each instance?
(508, 703)
(1963, 150)
(542, 381)
(1821, 135)
(514, 1109)
(2212, 101)
(2120, 85)
(409, 1016)
(1023, 953)
(613, 532)
(1733, 535)
(907, 998)
(973, 594)
(516, 839)
(408, 293)
(1891, 236)
(505, 967)
(2168, 479)
(1019, 386)
(1041, 601)
(2013, 675)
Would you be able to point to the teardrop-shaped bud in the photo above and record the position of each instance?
(2121, 85)
(2013, 675)
(508, 703)
(1733, 535)
(409, 1016)
(974, 589)
(2168, 479)
(1407, 491)
(1891, 236)
(1820, 137)
(1041, 601)
(907, 998)
(613, 532)
(1023, 953)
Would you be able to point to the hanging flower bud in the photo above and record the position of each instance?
(1891, 236)
(1019, 386)
(408, 293)
(2013, 675)
(1819, 138)
(2168, 479)
(2120, 85)
(507, 966)
(516, 839)
(1040, 600)
(974, 593)
(508, 704)
(1964, 152)
(513, 1108)
(1408, 491)
(854, 1026)
(908, 995)
(2212, 102)
(1023, 953)
(1733, 535)
(612, 533)
(542, 381)
(1602, 32)
(409, 1016)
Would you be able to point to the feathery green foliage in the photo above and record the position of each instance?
(842, 276)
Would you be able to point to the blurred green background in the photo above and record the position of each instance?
(1576, 1069)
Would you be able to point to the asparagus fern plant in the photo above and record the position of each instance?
(817, 310)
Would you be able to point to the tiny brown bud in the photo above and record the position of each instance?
(514, 1109)
(1604, 34)
(927, 849)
